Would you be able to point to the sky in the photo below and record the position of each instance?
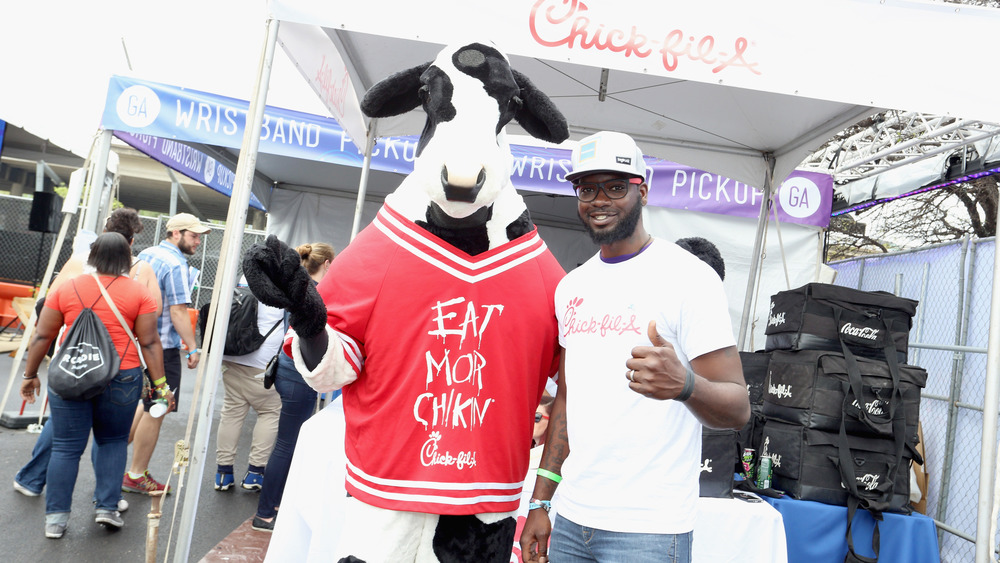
(58, 55)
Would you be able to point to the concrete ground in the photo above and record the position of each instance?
(218, 513)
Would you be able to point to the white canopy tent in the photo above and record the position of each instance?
(745, 90)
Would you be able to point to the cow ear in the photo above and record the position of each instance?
(538, 115)
(395, 95)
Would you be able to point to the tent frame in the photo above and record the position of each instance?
(219, 313)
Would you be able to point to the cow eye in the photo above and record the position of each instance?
(423, 93)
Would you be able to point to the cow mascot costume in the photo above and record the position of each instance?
(437, 322)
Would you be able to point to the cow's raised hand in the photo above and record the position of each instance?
(276, 277)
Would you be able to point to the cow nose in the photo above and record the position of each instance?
(458, 182)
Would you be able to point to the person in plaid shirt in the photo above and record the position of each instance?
(173, 274)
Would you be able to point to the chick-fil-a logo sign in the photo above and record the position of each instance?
(334, 90)
(555, 23)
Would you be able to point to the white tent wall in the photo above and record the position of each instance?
(802, 250)
(298, 217)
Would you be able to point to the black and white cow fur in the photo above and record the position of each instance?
(460, 187)
(460, 190)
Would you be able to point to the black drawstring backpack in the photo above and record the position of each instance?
(87, 361)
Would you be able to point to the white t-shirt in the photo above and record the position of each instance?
(634, 462)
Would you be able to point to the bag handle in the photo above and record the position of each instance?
(873, 505)
(852, 556)
(121, 319)
(273, 327)
(854, 376)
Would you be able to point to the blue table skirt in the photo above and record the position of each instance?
(816, 533)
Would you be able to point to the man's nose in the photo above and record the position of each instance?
(602, 198)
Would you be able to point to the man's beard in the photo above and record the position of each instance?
(184, 247)
(621, 231)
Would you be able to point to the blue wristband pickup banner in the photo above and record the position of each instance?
(159, 119)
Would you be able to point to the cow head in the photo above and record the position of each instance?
(469, 93)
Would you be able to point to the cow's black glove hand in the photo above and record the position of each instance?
(276, 277)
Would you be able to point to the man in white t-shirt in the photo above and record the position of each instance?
(648, 358)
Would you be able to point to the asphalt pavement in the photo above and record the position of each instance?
(22, 518)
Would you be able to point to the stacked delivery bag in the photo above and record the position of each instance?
(840, 408)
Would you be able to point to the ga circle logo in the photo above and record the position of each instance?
(209, 169)
(799, 197)
(138, 106)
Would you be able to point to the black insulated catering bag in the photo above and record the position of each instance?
(817, 316)
(808, 388)
(755, 375)
(806, 465)
(718, 463)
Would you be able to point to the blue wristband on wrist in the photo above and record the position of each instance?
(195, 351)
(543, 504)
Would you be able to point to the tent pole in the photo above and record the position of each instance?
(363, 185)
(991, 409)
(765, 206)
(225, 281)
(97, 182)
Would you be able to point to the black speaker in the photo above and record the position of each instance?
(46, 212)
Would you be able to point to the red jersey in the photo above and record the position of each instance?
(452, 353)
(131, 298)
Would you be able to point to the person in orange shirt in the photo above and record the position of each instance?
(110, 413)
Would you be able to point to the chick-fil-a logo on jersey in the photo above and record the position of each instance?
(555, 23)
(610, 323)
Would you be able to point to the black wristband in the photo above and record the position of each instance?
(688, 387)
(25, 376)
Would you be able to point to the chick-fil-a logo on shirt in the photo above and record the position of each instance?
(554, 23)
(610, 323)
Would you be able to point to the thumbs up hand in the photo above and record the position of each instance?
(655, 371)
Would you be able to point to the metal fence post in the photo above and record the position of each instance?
(924, 278)
(955, 394)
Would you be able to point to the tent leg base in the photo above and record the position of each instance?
(19, 421)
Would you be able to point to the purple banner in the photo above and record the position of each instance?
(188, 161)
(805, 197)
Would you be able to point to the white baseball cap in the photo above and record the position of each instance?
(186, 222)
(607, 151)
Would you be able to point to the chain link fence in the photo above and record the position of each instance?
(953, 283)
(24, 254)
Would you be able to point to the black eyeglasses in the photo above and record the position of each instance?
(615, 188)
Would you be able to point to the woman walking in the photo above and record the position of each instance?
(298, 401)
(109, 414)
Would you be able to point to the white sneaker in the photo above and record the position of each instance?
(24, 490)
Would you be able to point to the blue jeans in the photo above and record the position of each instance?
(109, 415)
(572, 543)
(298, 401)
(32, 475)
